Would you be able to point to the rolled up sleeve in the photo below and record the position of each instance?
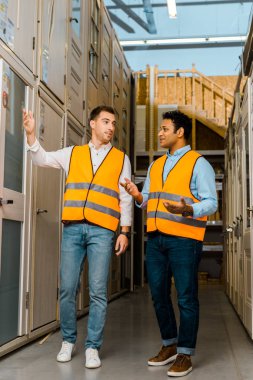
(205, 189)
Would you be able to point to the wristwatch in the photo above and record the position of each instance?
(127, 234)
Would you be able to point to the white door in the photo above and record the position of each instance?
(239, 223)
(53, 46)
(106, 60)
(235, 229)
(47, 219)
(117, 88)
(75, 78)
(248, 213)
(18, 28)
(126, 93)
(233, 247)
(229, 228)
(94, 53)
(14, 96)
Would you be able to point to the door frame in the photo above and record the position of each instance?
(41, 93)
(248, 231)
(22, 74)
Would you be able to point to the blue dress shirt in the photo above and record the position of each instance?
(202, 183)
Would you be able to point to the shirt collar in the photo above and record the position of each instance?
(179, 152)
(103, 147)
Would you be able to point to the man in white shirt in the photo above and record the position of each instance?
(94, 204)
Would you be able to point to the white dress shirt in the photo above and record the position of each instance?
(60, 160)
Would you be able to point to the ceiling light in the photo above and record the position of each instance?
(172, 8)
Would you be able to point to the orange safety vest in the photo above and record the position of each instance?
(93, 197)
(177, 185)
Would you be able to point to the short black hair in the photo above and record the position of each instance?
(180, 120)
(96, 111)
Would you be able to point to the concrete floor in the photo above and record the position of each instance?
(224, 350)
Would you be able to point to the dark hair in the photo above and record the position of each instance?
(96, 111)
(180, 120)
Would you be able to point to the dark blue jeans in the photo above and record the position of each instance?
(169, 256)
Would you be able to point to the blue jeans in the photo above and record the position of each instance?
(169, 256)
(78, 242)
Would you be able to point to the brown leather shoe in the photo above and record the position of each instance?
(181, 366)
(166, 355)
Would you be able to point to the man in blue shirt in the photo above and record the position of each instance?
(179, 193)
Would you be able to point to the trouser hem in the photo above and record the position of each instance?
(186, 351)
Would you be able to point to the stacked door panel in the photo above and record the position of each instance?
(46, 217)
(14, 198)
(239, 210)
(75, 70)
(18, 29)
(52, 51)
(94, 53)
(106, 60)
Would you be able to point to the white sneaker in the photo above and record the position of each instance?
(66, 352)
(92, 358)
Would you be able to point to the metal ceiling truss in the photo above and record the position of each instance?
(149, 16)
(148, 27)
(120, 23)
(185, 3)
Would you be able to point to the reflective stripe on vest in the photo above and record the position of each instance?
(93, 197)
(93, 206)
(169, 197)
(176, 218)
(92, 186)
(176, 186)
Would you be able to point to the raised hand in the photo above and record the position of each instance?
(130, 187)
(29, 126)
(175, 208)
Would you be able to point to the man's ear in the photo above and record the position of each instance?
(180, 132)
(92, 124)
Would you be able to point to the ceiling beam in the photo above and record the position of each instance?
(183, 46)
(120, 23)
(189, 40)
(125, 8)
(186, 3)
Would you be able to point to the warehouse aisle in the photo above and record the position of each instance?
(224, 350)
